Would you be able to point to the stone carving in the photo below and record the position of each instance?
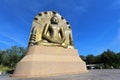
(53, 33)
(51, 29)
(50, 51)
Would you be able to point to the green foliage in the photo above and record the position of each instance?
(3, 68)
(90, 59)
(9, 57)
(108, 59)
(83, 57)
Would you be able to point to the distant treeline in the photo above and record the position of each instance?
(107, 60)
(11, 56)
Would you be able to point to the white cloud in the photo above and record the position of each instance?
(12, 39)
(5, 42)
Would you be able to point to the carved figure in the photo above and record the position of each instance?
(51, 29)
(53, 33)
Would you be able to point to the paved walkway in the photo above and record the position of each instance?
(91, 75)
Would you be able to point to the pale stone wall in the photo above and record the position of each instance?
(42, 61)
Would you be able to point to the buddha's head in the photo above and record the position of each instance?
(54, 20)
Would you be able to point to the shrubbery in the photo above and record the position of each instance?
(9, 57)
(107, 60)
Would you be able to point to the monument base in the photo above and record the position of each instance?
(42, 61)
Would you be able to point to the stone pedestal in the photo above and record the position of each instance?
(42, 61)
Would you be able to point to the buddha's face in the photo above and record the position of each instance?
(54, 19)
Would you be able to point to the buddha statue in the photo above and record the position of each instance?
(51, 30)
(53, 33)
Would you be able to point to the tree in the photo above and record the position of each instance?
(109, 58)
(82, 57)
(90, 59)
(4, 58)
(16, 53)
(1, 56)
(11, 56)
(22, 51)
(118, 60)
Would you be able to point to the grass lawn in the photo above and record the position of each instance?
(3, 68)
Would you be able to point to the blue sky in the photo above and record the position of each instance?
(95, 23)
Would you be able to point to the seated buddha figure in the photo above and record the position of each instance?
(53, 34)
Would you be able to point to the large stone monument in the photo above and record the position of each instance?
(50, 50)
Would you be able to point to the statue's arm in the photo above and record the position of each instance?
(45, 36)
(62, 35)
(45, 30)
